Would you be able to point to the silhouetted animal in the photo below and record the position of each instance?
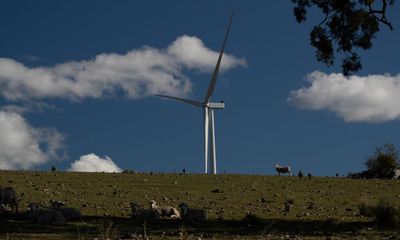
(192, 214)
(300, 174)
(139, 213)
(45, 216)
(69, 213)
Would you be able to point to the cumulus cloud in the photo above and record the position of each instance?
(23, 146)
(138, 73)
(372, 98)
(93, 163)
(191, 52)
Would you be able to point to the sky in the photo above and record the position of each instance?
(78, 81)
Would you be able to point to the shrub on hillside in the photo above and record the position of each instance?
(252, 219)
(128, 171)
(384, 214)
(365, 210)
(381, 164)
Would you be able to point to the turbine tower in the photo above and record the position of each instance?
(208, 109)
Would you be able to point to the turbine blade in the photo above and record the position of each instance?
(188, 101)
(216, 70)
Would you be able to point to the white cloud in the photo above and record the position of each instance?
(93, 163)
(23, 146)
(138, 73)
(27, 107)
(191, 52)
(373, 98)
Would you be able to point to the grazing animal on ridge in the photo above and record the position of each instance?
(165, 211)
(8, 196)
(281, 169)
(300, 174)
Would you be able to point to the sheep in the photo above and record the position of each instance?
(9, 196)
(280, 169)
(192, 214)
(138, 213)
(300, 174)
(165, 211)
(69, 213)
(45, 216)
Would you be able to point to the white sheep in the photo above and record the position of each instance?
(192, 214)
(281, 169)
(69, 213)
(139, 213)
(45, 216)
(8, 196)
(165, 211)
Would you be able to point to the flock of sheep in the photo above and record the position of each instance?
(57, 213)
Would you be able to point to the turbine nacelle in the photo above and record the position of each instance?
(216, 105)
(211, 105)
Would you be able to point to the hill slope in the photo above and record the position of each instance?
(226, 197)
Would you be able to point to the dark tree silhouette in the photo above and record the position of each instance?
(383, 162)
(347, 26)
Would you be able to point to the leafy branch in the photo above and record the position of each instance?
(347, 26)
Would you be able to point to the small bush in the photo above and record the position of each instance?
(252, 219)
(365, 210)
(383, 163)
(332, 224)
(384, 214)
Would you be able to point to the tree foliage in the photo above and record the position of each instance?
(347, 26)
(383, 162)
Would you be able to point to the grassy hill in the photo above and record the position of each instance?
(316, 207)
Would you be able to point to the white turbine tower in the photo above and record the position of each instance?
(208, 108)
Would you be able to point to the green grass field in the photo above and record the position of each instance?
(320, 207)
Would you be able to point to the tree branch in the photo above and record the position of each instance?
(382, 12)
(324, 20)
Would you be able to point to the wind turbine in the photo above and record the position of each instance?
(208, 109)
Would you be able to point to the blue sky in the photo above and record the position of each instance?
(79, 77)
